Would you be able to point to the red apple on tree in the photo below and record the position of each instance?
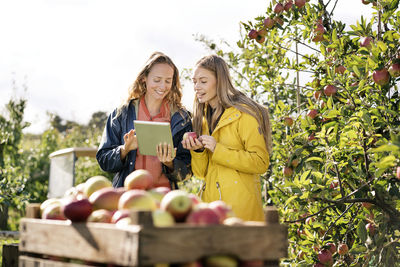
(269, 23)
(365, 2)
(325, 257)
(394, 70)
(343, 249)
(332, 247)
(311, 137)
(260, 39)
(312, 113)
(278, 8)
(288, 5)
(287, 171)
(381, 76)
(317, 94)
(300, 3)
(330, 90)
(295, 163)
(367, 205)
(288, 121)
(319, 29)
(253, 34)
(340, 69)
(370, 228)
(366, 42)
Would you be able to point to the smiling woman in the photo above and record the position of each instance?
(154, 96)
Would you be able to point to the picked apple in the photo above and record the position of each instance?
(106, 198)
(222, 209)
(195, 199)
(139, 179)
(95, 183)
(101, 215)
(77, 210)
(137, 199)
(178, 203)
(162, 218)
(158, 193)
(49, 202)
(53, 212)
(203, 216)
(221, 261)
(231, 221)
(119, 214)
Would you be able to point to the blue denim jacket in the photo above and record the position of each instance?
(108, 153)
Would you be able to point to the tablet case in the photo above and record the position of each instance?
(150, 133)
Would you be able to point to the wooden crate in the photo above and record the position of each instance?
(145, 245)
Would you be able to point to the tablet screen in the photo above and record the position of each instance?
(151, 133)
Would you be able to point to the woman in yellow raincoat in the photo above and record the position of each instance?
(234, 140)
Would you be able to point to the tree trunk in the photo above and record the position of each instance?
(3, 216)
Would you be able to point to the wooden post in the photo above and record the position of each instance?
(33, 210)
(10, 255)
(271, 217)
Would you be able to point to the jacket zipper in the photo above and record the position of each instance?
(219, 190)
(202, 190)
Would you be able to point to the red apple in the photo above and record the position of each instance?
(195, 199)
(49, 202)
(178, 203)
(394, 70)
(77, 210)
(137, 199)
(253, 34)
(334, 184)
(119, 214)
(193, 134)
(370, 228)
(331, 247)
(106, 198)
(340, 69)
(287, 171)
(203, 216)
(319, 29)
(101, 215)
(366, 42)
(318, 38)
(288, 121)
(311, 137)
(53, 212)
(269, 23)
(288, 5)
(260, 39)
(365, 2)
(398, 172)
(330, 90)
(233, 221)
(222, 209)
(295, 163)
(317, 94)
(325, 257)
(262, 32)
(300, 3)
(343, 249)
(318, 264)
(367, 205)
(278, 20)
(278, 8)
(95, 183)
(158, 193)
(191, 264)
(162, 218)
(312, 113)
(139, 179)
(381, 77)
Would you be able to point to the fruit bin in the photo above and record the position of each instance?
(143, 244)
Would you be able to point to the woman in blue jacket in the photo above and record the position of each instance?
(154, 96)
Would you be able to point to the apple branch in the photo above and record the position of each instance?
(335, 221)
(312, 215)
(297, 53)
(306, 45)
(366, 160)
(336, 171)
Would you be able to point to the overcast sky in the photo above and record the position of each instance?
(77, 57)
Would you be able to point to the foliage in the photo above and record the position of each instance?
(343, 188)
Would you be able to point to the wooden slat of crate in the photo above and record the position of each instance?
(92, 241)
(28, 261)
(140, 246)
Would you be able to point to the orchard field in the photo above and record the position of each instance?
(332, 92)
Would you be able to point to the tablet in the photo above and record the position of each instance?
(151, 133)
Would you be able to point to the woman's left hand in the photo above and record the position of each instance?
(208, 142)
(166, 154)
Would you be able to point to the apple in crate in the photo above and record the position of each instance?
(77, 210)
(106, 198)
(137, 199)
(53, 212)
(101, 215)
(221, 261)
(139, 179)
(203, 216)
(158, 193)
(49, 202)
(95, 183)
(222, 209)
(162, 218)
(178, 203)
(119, 214)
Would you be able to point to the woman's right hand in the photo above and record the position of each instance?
(192, 144)
(130, 140)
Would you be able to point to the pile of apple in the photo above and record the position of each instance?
(97, 201)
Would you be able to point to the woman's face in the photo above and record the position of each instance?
(205, 86)
(159, 81)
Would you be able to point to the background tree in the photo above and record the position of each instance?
(336, 136)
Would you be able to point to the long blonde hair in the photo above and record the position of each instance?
(138, 88)
(229, 96)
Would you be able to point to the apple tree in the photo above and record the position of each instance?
(332, 90)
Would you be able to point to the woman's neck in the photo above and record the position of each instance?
(153, 105)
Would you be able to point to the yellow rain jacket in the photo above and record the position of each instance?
(232, 172)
